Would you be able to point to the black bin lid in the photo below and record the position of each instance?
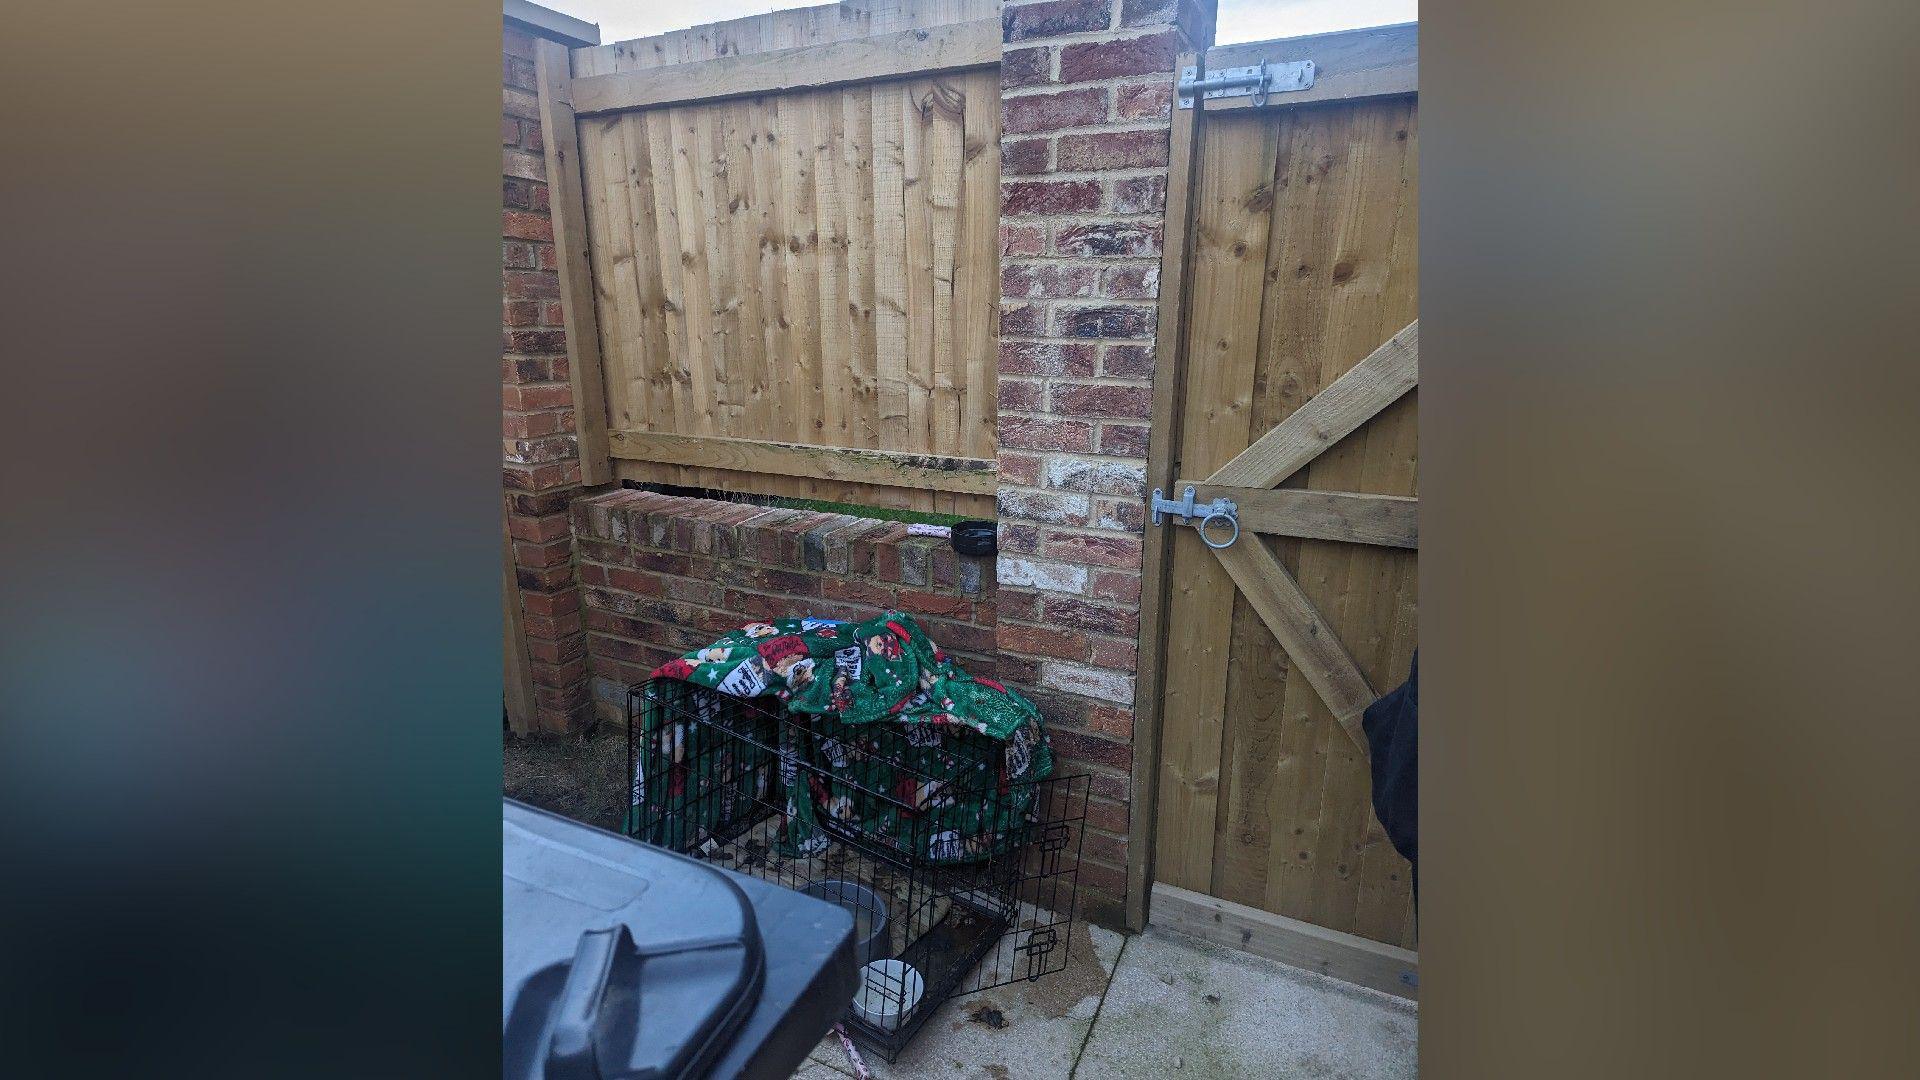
(618, 959)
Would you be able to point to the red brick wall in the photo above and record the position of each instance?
(661, 575)
(541, 473)
(1085, 104)
(1087, 92)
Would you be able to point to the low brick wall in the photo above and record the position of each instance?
(661, 575)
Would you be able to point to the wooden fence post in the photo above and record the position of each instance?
(517, 664)
(566, 195)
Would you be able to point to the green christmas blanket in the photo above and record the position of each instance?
(899, 745)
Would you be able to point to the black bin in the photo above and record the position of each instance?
(621, 960)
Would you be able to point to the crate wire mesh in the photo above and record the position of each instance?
(961, 912)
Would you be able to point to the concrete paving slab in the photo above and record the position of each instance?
(1182, 1007)
(1044, 1024)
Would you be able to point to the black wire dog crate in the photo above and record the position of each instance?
(961, 874)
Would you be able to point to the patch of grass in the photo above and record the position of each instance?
(882, 513)
(579, 776)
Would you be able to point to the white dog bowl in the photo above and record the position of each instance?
(889, 990)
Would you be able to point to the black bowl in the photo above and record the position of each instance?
(974, 538)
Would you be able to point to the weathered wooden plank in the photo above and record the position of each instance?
(1169, 352)
(610, 257)
(1353, 517)
(1356, 397)
(1383, 905)
(886, 56)
(1317, 654)
(799, 237)
(647, 301)
(517, 674)
(924, 471)
(1349, 65)
(1387, 968)
(890, 265)
(1351, 200)
(786, 29)
(1293, 732)
(919, 255)
(942, 108)
(1252, 766)
(977, 289)
(668, 404)
(553, 72)
(856, 173)
(1264, 722)
(1234, 200)
(770, 394)
(832, 312)
(734, 220)
(697, 235)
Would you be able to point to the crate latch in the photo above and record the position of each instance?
(1038, 944)
(1257, 81)
(1199, 515)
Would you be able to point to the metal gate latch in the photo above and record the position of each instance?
(1261, 79)
(1207, 513)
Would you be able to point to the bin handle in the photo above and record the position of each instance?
(570, 1054)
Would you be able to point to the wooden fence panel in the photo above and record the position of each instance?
(816, 267)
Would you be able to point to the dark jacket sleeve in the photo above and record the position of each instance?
(1392, 726)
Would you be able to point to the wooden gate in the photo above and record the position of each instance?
(1289, 309)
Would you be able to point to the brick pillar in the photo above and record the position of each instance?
(1087, 89)
(540, 456)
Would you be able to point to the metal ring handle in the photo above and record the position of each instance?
(1209, 519)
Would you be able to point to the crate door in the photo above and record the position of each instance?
(1300, 346)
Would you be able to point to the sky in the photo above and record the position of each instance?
(1240, 20)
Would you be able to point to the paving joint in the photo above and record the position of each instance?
(1105, 988)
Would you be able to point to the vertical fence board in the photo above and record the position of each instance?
(1233, 200)
(805, 263)
(616, 270)
(831, 240)
(667, 407)
(890, 263)
(781, 398)
(919, 239)
(856, 183)
(693, 374)
(977, 288)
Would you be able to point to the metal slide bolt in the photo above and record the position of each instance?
(1201, 517)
